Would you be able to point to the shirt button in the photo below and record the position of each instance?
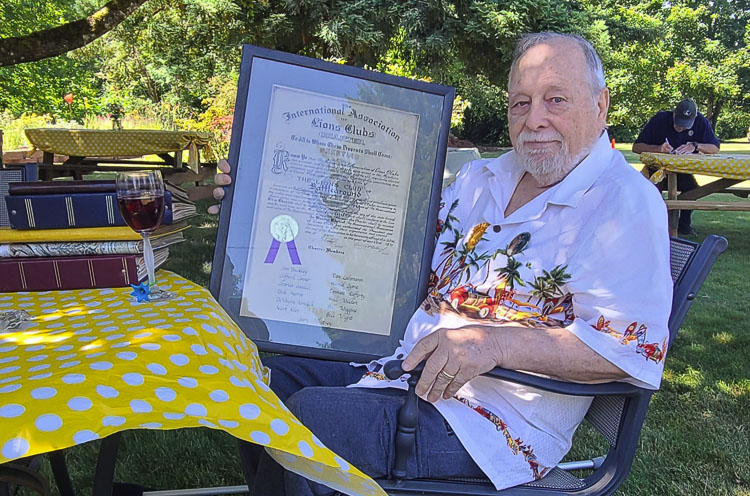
(496, 228)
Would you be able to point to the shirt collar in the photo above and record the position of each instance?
(506, 172)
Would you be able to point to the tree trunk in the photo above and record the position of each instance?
(151, 88)
(61, 39)
(715, 114)
(712, 111)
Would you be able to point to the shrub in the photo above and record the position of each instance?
(733, 123)
(218, 117)
(13, 126)
(484, 119)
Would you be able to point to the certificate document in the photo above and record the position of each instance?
(329, 218)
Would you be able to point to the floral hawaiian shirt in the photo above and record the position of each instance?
(590, 254)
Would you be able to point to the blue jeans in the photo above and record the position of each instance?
(358, 424)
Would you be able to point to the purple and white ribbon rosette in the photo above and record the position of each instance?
(283, 230)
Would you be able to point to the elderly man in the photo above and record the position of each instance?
(553, 259)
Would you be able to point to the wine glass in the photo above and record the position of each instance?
(140, 196)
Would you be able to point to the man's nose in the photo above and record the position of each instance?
(538, 117)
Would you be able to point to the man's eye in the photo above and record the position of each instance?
(520, 104)
(557, 99)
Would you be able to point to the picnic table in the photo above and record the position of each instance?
(93, 363)
(729, 169)
(89, 150)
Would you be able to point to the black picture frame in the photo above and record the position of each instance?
(262, 72)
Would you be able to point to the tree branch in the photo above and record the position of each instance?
(61, 39)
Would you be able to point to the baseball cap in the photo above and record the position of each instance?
(684, 114)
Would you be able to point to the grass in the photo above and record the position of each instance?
(694, 442)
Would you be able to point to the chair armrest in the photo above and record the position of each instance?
(393, 370)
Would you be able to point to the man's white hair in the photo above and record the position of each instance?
(593, 62)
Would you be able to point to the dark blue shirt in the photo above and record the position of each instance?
(660, 128)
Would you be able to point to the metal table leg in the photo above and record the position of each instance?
(60, 471)
(104, 476)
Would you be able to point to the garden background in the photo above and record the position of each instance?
(174, 63)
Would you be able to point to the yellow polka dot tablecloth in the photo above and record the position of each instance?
(91, 363)
(727, 166)
(127, 142)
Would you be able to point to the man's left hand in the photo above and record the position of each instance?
(454, 357)
(221, 179)
(685, 149)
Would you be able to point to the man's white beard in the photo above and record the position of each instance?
(547, 169)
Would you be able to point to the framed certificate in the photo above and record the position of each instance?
(327, 232)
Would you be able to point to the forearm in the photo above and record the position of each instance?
(556, 352)
(453, 357)
(708, 148)
(643, 147)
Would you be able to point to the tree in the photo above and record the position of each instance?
(61, 39)
(666, 51)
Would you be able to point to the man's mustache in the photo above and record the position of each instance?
(531, 137)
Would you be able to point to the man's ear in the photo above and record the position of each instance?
(602, 104)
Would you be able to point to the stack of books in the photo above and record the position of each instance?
(70, 235)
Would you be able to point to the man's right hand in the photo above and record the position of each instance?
(221, 179)
(664, 148)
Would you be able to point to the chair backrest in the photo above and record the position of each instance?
(694, 266)
(10, 174)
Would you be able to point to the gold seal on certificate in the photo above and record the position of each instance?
(284, 228)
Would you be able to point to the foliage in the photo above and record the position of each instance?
(167, 60)
(485, 119)
(218, 117)
(12, 126)
(38, 87)
(733, 122)
(66, 36)
(670, 51)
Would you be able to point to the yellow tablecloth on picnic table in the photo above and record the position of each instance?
(727, 166)
(95, 362)
(126, 142)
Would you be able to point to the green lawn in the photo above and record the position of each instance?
(695, 441)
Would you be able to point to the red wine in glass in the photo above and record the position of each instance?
(143, 213)
(140, 196)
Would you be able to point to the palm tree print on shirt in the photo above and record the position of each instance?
(454, 278)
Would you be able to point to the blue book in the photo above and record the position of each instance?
(57, 211)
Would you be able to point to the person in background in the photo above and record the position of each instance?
(681, 131)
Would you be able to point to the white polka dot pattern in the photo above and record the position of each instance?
(76, 376)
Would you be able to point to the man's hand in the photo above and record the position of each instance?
(454, 357)
(221, 179)
(685, 149)
(665, 148)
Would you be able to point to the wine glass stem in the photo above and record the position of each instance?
(148, 256)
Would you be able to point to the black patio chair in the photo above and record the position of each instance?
(617, 411)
